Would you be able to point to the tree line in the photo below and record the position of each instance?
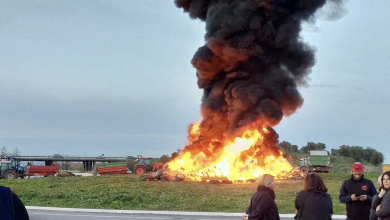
(358, 153)
(4, 152)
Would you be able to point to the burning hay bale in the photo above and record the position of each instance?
(292, 174)
(216, 176)
(163, 175)
(155, 175)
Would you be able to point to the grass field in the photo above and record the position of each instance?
(129, 192)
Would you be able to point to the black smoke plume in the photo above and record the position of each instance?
(250, 67)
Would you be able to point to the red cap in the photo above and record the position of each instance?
(357, 167)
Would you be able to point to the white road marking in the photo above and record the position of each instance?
(95, 216)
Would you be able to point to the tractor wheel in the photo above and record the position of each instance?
(304, 169)
(179, 177)
(140, 170)
(50, 175)
(9, 174)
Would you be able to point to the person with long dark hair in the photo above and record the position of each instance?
(383, 209)
(313, 202)
(262, 205)
(377, 198)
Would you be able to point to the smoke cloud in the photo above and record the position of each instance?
(250, 66)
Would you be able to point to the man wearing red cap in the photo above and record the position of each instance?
(357, 193)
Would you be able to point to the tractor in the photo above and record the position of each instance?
(10, 169)
(145, 165)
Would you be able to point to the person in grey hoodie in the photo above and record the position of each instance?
(313, 202)
(383, 209)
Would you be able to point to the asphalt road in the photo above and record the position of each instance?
(53, 215)
(57, 215)
(47, 213)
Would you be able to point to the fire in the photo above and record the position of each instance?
(240, 159)
(249, 69)
(194, 131)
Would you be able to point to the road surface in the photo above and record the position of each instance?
(50, 213)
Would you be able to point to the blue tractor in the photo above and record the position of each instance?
(11, 169)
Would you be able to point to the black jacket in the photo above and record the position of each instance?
(263, 206)
(358, 210)
(314, 205)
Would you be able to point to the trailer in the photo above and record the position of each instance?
(386, 167)
(112, 168)
(46, 171)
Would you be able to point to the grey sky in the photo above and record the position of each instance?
(114, 77)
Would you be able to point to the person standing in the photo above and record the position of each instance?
(313, 202)
(383, 209)
(357, 193)
(377, 200)
(262, 205)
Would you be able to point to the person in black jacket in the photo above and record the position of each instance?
(11, 207)
(313, 202)
(383, 209)
(262, 205)
(357, 193)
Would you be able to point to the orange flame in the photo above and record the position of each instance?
(239, 159)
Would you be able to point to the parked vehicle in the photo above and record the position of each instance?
(10, 168)
(101, 157)
(386, 167)
(145, 165)
(58, 156)
(317, 161)
(46, 171)
(112, 168)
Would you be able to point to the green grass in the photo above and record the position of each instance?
(129, 192)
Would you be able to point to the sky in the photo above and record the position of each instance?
(92, 77)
